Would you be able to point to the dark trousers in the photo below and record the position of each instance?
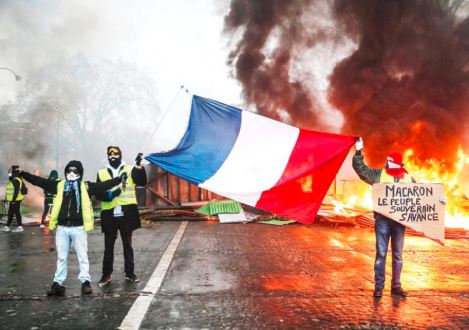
(14, 210)
(110, 236)
(47, 203)
(385, 230)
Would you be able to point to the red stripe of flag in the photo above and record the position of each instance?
(313, 165)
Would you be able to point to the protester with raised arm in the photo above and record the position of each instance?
(72, 215)
(119, 212)
(385, 228)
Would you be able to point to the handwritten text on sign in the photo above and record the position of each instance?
(415, 205)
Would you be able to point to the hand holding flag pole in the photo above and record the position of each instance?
(359, 145)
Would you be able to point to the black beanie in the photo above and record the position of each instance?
(77, 164)
(14, 171)
(53, 175)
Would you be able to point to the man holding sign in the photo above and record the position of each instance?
(399, 201)
(385, 228)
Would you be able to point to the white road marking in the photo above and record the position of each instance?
(136, 313)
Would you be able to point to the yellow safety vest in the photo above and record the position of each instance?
(386, 178)
(86, 207)
(127, 196)
(10, 190)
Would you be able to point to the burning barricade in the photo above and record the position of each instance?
(355, 203)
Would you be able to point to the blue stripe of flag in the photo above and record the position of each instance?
(211, 134)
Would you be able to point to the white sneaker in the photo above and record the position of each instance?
(42, 226)
(18, 229)
(6, 228)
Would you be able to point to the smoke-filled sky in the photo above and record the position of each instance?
(403, 84)
(395, 72)
(175, 42)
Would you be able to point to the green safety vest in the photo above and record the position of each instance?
(86, 207)
(10, 190)
(127, 196)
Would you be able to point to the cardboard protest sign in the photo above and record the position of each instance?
(415, 205)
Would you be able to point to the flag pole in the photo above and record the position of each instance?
(161, 120)
(163, 117)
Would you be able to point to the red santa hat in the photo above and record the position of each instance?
(394, 166)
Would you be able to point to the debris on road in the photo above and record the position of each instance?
(171, 214)
(277, 222)
(220, 207)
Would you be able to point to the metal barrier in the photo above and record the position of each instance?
(3, 211)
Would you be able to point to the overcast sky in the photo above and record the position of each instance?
(176, 42)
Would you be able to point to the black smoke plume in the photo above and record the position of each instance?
(266, 78)
(405, 85)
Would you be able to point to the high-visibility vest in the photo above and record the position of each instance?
(386, 178)
(86, 207)
(127, 196)
(10, 190)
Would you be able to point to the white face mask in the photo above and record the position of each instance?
(72, 176)
(9, 175)
(393, 165)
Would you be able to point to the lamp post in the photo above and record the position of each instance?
(17, 77)
(57, 141)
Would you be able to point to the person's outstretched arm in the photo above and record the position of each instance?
(46, 184)
(103, 197)
(100, 188)
(369, 175)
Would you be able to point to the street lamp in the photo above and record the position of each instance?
(17, 77)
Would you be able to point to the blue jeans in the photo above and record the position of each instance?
(384, 230)
(63, 238)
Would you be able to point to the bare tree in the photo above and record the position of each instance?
(77, 108)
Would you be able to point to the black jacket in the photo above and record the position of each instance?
(69, 215)
(131, 216)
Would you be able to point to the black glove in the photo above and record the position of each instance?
(116, 192)
(138, 159)
(123, 177)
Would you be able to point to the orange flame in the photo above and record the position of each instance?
(434, 171)
(457, 207)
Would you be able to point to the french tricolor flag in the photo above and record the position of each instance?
(256, 160)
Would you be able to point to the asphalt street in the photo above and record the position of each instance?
(238, 276)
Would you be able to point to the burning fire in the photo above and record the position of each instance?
(457, 207)
(434, 171)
